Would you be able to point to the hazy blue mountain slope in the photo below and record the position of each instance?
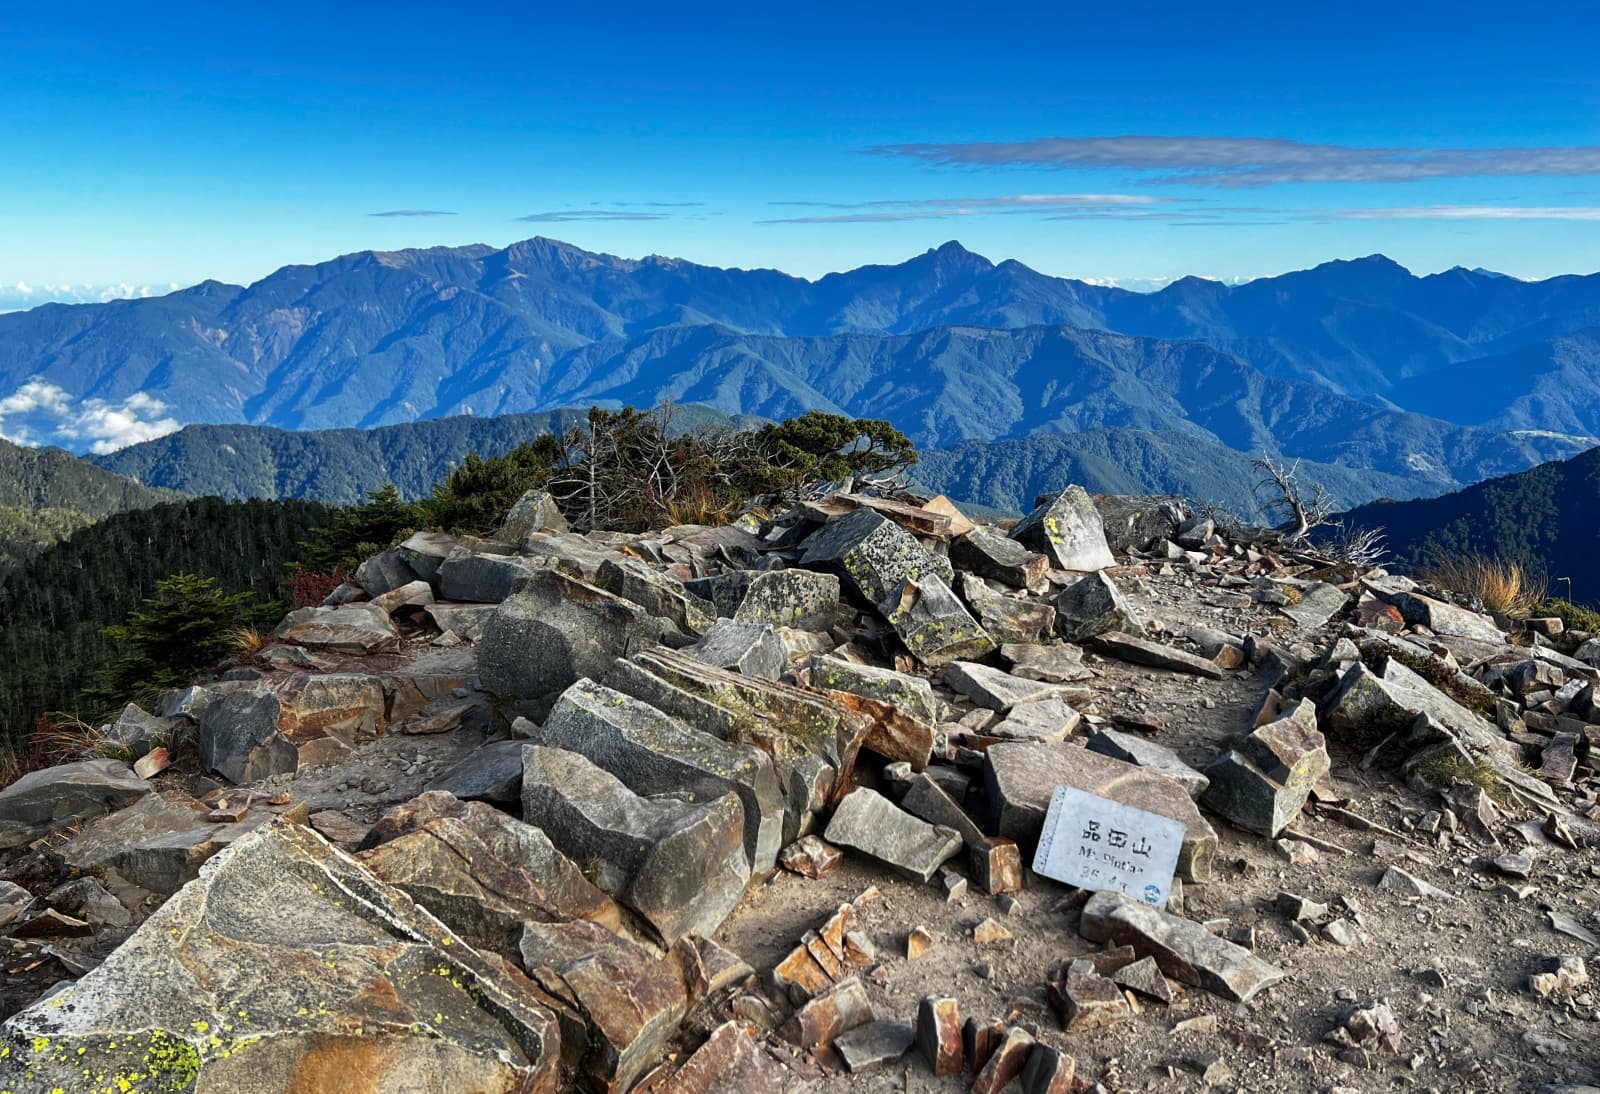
(953, 384)
(1547, 516)
(341, 465)
(1550, 385)
(374, 338)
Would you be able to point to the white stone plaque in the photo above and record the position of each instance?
(1100, 844)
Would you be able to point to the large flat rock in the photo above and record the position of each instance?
(870, 823)
(1184, 949)
(53, 797)
(1020, 778)
(288, 966)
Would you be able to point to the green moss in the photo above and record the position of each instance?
(1439, 771)
(1574, 617)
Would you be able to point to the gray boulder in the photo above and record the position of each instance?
(681, 866)
(800, 599)
(753, 649)
(1139, 522)
(1067, 529)
(479, 578)
(987, 553)
(913, 695)
(1143, 752)
(481, 872)
(53, 797)
(870, 823)
(656, 592)
(534, 512)
(1092, 606)
(489, 773)
(654, 753)
(1184, 949)
(155, 843)
(933, 623)
(1005, 618)
(1020, 777)
(353, 628)
(425, 552)
(540, 641)
(383, 572)
(875, 556)
(239, 738)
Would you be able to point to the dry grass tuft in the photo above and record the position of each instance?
(62, 738)
(247, 641)
(1505, 587)
(698, 505)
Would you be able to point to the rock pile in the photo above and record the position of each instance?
(492, 816)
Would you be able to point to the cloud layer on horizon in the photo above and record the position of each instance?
(1252, 161)
(52, 415)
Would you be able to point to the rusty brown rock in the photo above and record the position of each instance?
(980, 1039)
(631, 999)
(481, 871)
(1088, 1001)
(730, 1060)
(918, 942)
(939, 1035)
(842, 1007)
(1048, 1071)
(706, 968)
(996, 865)
(989, 931)
(1010, 1056)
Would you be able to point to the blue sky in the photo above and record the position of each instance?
(151, 146)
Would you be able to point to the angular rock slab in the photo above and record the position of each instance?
(870, 823)
(1137, 651)
(874, 555)
(1142, 752)
(631, 1000)
(654, 753)
(1006, 618)
(987, 553)
(751, 649)
(156, 844)
(354, 628)
(656, 592)
(468, 577)
(1263, 784)
(535, 511)
(802, 599)
(993, 689)
(1441, 618)
(912, 694)
(731, 1060)
(1067, 529)
(481, 872)
(288, 966)
(1020, 777)
(1091, 606)
(933, 623)
(52, 797)
(240, 740)
(682, 867)
(555, 630)
(1184, 949)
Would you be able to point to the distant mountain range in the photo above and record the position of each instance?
(1548, 516)
(1439, 381)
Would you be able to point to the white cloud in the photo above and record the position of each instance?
(1466, 212)
(101, 425)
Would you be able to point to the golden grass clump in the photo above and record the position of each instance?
(1505, 587)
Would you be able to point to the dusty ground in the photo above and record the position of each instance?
(1481, 1030)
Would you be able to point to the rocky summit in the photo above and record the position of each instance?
(754, 807)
